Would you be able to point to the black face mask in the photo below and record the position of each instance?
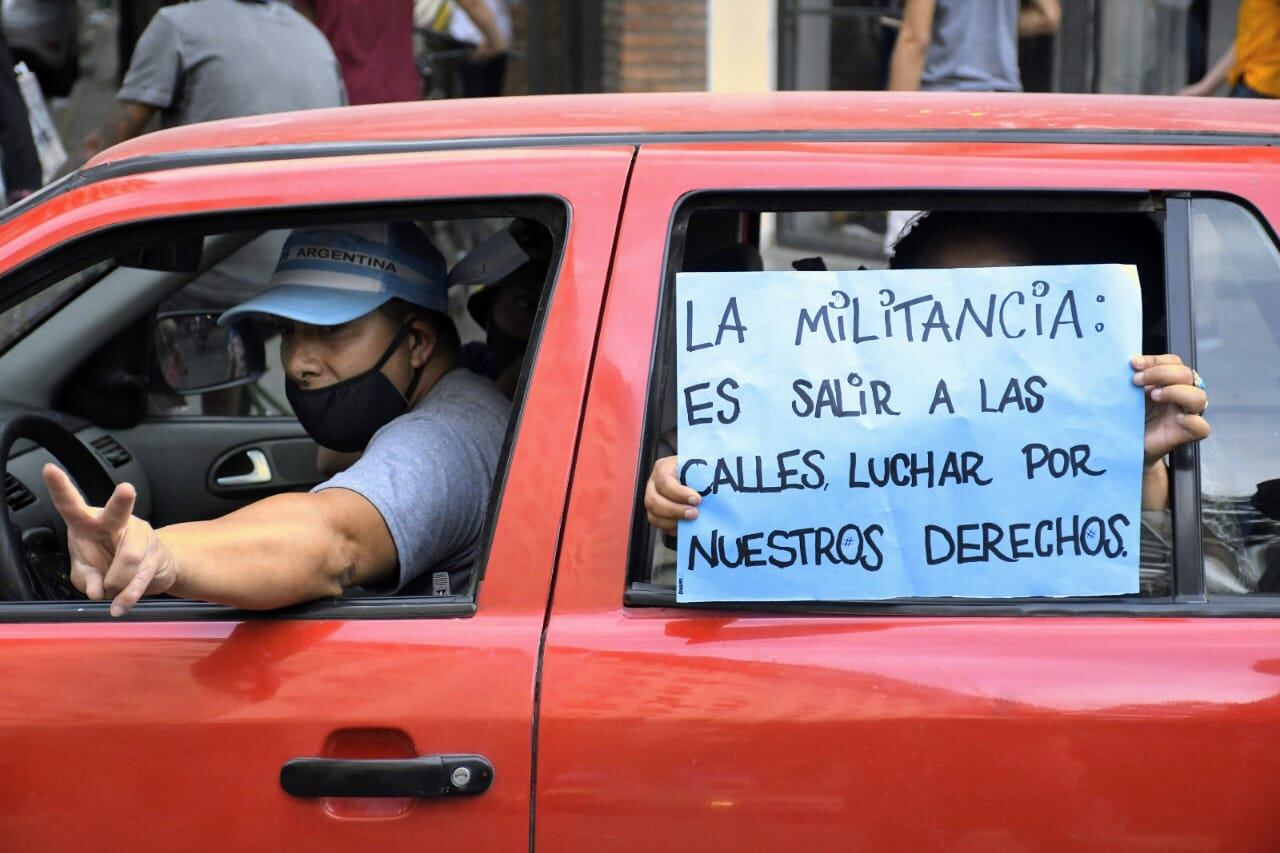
(345, 415)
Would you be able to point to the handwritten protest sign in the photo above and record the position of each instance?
(879, 434)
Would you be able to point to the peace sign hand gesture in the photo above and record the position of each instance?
(113, 553)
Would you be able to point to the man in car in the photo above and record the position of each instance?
(1175, 395)
(370, 355)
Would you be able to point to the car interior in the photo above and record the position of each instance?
(116, 368)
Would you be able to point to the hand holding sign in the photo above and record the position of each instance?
(884, 434)
(1175, 407)
(666, 499)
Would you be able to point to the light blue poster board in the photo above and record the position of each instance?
(881, 434)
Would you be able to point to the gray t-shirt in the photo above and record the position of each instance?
(429, 473)
(973, 47)
(213, 59)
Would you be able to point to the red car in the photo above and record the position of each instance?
(565, 700)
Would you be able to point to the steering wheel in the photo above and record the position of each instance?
(16, 573)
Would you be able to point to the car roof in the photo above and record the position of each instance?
(634, 117)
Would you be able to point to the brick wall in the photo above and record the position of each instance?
(639, 45)
(655, 45)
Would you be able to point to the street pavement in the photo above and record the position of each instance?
(92, 99)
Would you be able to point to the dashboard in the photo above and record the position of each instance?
(30, 507)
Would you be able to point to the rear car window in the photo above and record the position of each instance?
(861, 234)
(1235, 278)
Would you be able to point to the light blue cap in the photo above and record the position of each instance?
(329, 276)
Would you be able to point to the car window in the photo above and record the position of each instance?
(1235, 269)
(157, 370)
(30, 312)
(723, 240)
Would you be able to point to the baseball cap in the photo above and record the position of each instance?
(329, 276)
(517, 255)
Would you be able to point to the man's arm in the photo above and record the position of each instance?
(152, 83)
(482, 16)
(1216, 76)
(912, 47)
(282, 550)
(1039, 18)
(129, 120)
(285, 549)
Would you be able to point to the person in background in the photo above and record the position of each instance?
(506, 308)
(213, 59)
(373, 41)
(962, 46)
(1251, 66)
(965, 46)
(132, 17)
(484, 24)
(19, 162)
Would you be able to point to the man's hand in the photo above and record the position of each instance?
(482, 16)
(1175, 415)
(112, 552)
(129, 120)
(92, 145)
(1200, 89)
(488, 50)
(1175, 406)
(666, 499)
(1215, 77)
(1039, 18)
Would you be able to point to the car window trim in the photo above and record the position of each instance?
(1184, 462)
(177, 610)
(64, 258)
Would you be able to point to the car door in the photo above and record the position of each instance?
(1113, 724)
(170, 728)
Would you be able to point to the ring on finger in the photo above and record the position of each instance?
(1197, 380)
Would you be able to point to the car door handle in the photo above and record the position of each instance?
(259, 469)
(424, 776)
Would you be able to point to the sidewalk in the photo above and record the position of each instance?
(92, 99)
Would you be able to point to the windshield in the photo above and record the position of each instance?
(35, 309)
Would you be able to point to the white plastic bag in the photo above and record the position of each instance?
(48, 143)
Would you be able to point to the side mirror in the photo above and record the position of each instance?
(177, 255)
(193, 354)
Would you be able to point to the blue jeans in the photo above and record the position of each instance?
(1240, 90)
